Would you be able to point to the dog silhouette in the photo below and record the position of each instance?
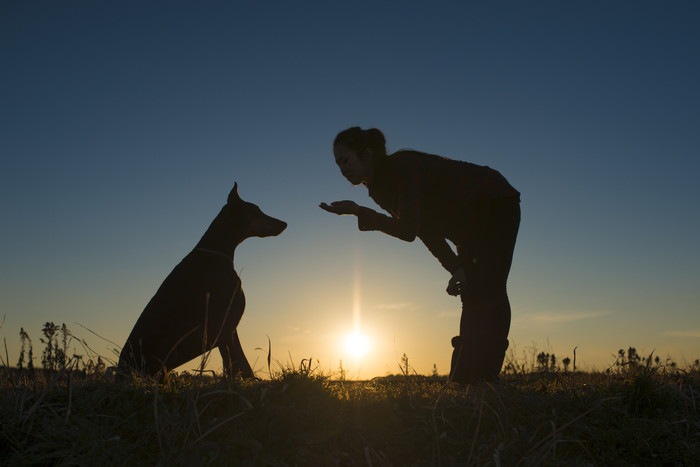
(199, 305)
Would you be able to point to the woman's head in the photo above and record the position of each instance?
(357, 151)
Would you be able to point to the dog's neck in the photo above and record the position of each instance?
(214, 252)
(222, 236)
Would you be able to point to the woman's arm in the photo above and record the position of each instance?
(405, 220)
(439, 247)
(368, 219)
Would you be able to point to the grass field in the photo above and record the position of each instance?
(640, 412)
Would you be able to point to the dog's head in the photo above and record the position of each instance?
(255, 223)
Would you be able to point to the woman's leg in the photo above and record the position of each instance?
(480, 348)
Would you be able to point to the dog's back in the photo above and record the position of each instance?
(202, 293)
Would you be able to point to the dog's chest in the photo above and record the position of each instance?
(199, 273)
(238, 295)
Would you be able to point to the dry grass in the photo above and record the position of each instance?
(637, 413)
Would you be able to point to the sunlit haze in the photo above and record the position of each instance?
(124, 125)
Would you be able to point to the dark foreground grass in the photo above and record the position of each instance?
(634, 416)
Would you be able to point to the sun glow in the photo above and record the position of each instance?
(356, 344)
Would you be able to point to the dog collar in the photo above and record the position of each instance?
(214, 252)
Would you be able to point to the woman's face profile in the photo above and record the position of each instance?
(350, 164)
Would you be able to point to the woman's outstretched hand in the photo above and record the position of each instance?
(341, 207)
(456, 284)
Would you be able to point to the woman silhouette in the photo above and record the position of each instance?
(438, 199)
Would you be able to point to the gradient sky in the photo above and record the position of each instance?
(123, 126)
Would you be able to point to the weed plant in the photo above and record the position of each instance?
(71, 412)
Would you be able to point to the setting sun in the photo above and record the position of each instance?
(356, 344)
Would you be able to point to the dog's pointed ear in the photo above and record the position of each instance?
(233, 196)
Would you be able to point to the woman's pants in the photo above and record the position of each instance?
(480, 348)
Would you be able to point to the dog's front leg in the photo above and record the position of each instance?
(233, 357)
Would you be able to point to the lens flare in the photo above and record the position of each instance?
(356, 344)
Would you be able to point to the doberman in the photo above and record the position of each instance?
(199, 305)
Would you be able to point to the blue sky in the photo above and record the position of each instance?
(123, 126)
